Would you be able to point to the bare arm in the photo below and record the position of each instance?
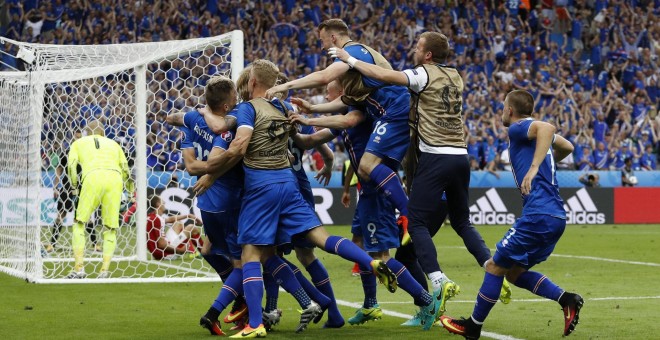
(324, 175)
(175, 119)
(310, 141)
(172, 219)
(237, 149)
(316, 79)
(335, 106)
(346, 121)
(194, 166)
(219, 124)
(542, 132)
(346, 195)
(371, 70)
(562, 148)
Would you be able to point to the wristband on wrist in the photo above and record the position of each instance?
(351, 61)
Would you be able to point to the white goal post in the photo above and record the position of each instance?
(130, 88)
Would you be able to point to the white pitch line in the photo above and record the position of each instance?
(406, 316)
(650, 264)
(608, 298)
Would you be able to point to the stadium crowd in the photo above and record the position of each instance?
(592, 65)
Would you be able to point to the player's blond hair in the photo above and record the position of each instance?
(438, 44)
(265, 72)
(218, 90)
(335, 25)
(242, 83)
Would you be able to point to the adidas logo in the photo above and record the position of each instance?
(489, 209)
(580, 209)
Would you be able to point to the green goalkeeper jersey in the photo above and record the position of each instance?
(96, 152)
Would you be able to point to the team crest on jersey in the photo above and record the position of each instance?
(364, 50)
(226, 136)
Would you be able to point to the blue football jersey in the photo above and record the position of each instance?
(298, 152)
(392, 101)
(355, 143)
(225, 193)
(544, 197)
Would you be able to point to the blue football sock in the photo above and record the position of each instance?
(487, 297)
(313, 292)
(232, 288)
(369, 286)
(386, 180)
(539, 284)
(407, 282)
(272, 291)
(221, 264)
(348, 250)
(253, 285)
(285, 278)
(321, 280)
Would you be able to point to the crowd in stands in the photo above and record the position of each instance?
(592, 65)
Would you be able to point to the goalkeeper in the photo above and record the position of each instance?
(104, 170)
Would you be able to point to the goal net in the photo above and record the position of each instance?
(130, 89)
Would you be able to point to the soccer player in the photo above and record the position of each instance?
(387, 105)
(218, 197)
(173, 241)
(534, 148)
(277, 270)
(374, 226)
(273, 210)
(321, 291)
(104, 172)
(65, 201)
(440, 154)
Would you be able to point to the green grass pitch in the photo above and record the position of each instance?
(616, 268)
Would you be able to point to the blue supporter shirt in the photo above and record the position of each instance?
(225, 193)
(648, 160)
(601, 159)
(544, 197)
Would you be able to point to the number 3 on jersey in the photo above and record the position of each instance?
(202, 155)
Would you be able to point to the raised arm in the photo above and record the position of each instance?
(316, 79)
(370, 70)
(219, 124)
(175, 119)
(335, 106)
